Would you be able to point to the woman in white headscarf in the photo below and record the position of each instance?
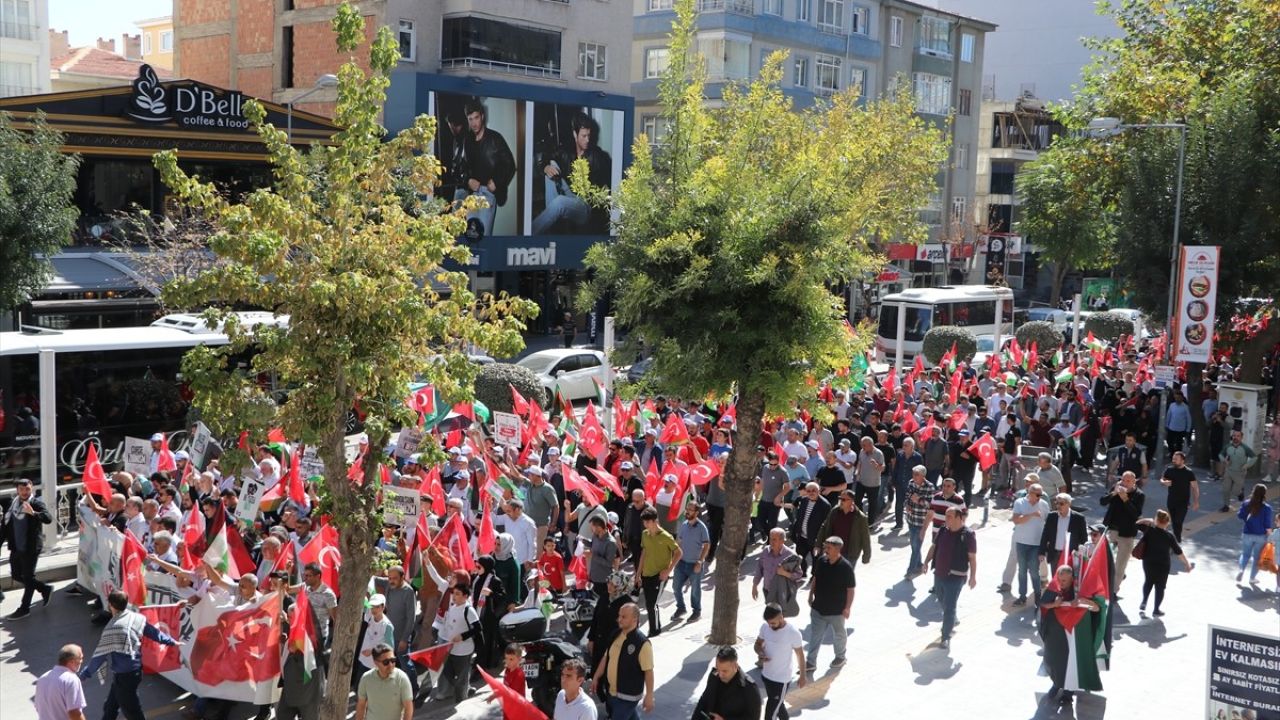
(506, 567)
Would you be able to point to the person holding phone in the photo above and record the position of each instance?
(20, 528)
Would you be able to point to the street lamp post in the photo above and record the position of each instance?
(1108, 125)
(327, 80)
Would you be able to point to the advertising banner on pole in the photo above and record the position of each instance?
(1243, 674)
(1196, 303)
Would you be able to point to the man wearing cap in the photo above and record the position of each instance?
(628, 478)
(664, 499)
(814, 459)
(378, 630)
(847, 460)
(541, 503)
(157, 443)
(650, 452)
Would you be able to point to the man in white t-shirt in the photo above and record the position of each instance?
(571, 702)
(780, 648)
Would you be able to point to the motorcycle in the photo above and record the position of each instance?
(543, 654)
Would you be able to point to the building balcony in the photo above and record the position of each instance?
(473, 63)
(741, 7)
(16, 30)
(17, 90)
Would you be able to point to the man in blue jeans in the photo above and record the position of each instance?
(830, 598)
(694, 539)
(906, 460)
(1029, 514)
(954, 555)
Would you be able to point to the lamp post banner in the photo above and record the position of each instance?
(1193, 315)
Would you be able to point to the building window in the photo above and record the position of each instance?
(146, 43)
(655, 128)
(861, 20)
(496, 45)
(16, 79)
(408, 41)
(656, 5)
(962, 156)
(591, 61)
(958, 205)
(931, 213)
(895, 31)
(772, 7)
(656, 61)
(1002, 177)
(831, 16)
(765, 51)
(16, 20)
(964, 102)
(858, 79)
(286, 56)
(726, 59)
(966, 47)
(932, 93)
(800, 74)
(828, 74)
(802, 10)
(935, 37)
(166, 41)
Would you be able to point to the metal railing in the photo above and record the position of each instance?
(506, 67)
(17, 90)
(742, 7)
(64, 519)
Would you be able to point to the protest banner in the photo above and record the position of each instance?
(399, 505)
(98, 555)
(506, 428)
(247, 506)
(311, 464)
(408, 441)
(200, 445)
(137, 456)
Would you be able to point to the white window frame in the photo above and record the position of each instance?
(803, 8)
(655, 127)
(656, 60)
(833, 21)
(968, 41)
(832, 64)
(861, 18)
(959, 206)
(925, 39)
(146, 42)
(962, 156)
(407, 27)
(860, 76)
(660, 5)
(771, 7)
(166, 41)
(932, 93)
(895, 31)
(594, 57)
(800, 72)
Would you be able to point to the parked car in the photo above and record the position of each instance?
(574, 370)
(986, 345)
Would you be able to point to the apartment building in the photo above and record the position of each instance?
(833, 45)
(532, 77)
(24, 47)
(157, 42)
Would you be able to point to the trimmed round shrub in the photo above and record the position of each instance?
(492, 386)
(938, 341)
(1046, 336)
(1108, 326)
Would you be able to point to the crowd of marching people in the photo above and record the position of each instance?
(618, 523)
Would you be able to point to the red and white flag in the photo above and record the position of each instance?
(243, 645)
(157, 658)
(323, 550)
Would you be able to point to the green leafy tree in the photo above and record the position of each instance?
(1109, 325)
(350, 266)
(1043, 334)
(37, 217)
(1065, 212)
(940, 338)
(494, 383)
(732, 234)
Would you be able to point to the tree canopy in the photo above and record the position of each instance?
(732, 234)
(363, 281)
(37, 216)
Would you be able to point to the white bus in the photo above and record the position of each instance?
(970, 306)
(63, 389)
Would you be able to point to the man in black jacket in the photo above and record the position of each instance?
(490, 168)
(20, 528)
(1064, 531)
(730, 694)
(564, 209)
(810, 512)
(1124, 509)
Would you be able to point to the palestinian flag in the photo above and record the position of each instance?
(1063, 375)
(302, 635)
(858, 372)
(1056, 360)
(1077, 640)
(218, 552)
(1094, 343)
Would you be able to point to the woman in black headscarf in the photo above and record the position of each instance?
(489, 596)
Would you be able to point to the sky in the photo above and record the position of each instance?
(88, 20)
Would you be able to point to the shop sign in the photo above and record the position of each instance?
(190, 105)
(532, 256)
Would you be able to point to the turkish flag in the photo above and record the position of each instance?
(157, 658)
(578, 569)
(243, 645)
(609, 482)
(433, 657)
(239, 553)
(891, 381)
(193, 533)
(276, 435)
(674, 432)
(985, 448)
(436, 490)
(422, 400)
(591, 494)
(910, 424)
(592, 438)
(518, 403)
(682, 486)
(488, 539)
(652, 480)
(166, 463)
(452, 538)
(953, 387)
(323, 550)
(282, 563)
(514, 705)
(297, 492)
(704, 472)
(958, 418)
(132, 559)
(95, 480)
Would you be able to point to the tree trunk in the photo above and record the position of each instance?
(1059, 274)
(739, 480)
(1195, 398)
(1251, 352)
(358, 519)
